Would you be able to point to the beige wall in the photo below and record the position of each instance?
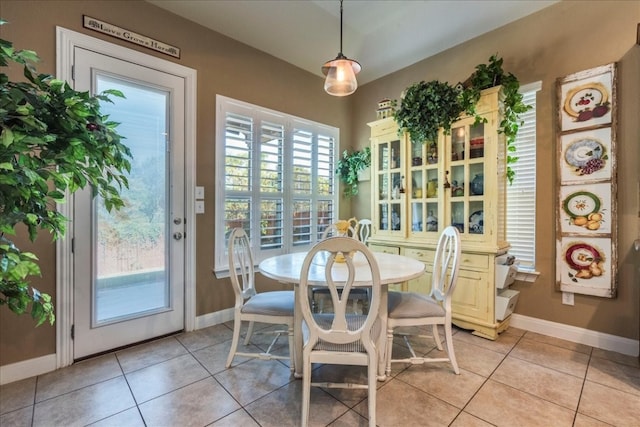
(560, 40)
(224, 67)
(563, 39)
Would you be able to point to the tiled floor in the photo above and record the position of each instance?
(521, 379)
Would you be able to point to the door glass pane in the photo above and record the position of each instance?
(130, 274)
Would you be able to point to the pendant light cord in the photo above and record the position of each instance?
(340, 27)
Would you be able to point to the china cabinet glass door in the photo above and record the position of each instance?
(465, 154)
(424, 189)
(390, 186)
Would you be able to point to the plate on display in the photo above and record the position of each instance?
(585, 97)
(581, 151)
(581, 203)
(476, 222)
(580, 256)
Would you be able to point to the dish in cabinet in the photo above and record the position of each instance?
(476, 222)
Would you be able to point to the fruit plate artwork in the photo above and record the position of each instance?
(586, 196)
(586, 156)
(585, 209)
(587, 98)
(586, 266)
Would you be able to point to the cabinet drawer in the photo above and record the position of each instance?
(474, 261)
(505, 303)
(385, 249)
(420, 254)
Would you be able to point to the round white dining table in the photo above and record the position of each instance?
(393, 269)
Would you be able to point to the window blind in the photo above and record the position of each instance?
(521, 194)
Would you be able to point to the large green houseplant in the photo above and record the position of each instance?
(53, 140)
(349, 166)
(427, 106)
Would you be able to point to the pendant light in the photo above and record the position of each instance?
(341, 72)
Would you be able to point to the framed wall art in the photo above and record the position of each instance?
(585, 156)
(584, 209)
(586, 222)
(586, 266)
(587, 98)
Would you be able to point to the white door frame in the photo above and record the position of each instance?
(66, 41)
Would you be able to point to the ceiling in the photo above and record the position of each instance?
(383, 36)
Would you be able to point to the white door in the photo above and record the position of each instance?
(128, 265)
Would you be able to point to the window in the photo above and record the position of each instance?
(521, 195)
(275, 177)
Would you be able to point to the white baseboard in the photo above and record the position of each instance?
(42, 365)
(578, 335)
(214, 318)
(27, 368)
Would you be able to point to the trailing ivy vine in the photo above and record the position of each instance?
(349, 166)
(490, 75)
(428, 106)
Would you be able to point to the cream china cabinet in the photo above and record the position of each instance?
(420, 188)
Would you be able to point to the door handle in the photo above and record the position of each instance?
(177, 235)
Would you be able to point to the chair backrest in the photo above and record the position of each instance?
(332, 230)
(241, 267)
(445, 265)
(364, 230)
(341, 327)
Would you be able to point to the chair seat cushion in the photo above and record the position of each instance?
(411, 305)
(275, 303)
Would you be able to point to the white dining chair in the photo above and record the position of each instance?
(340, 338)
(364, 230)
(332, 230)
(274, 307)
(358, 297)
(415, 309)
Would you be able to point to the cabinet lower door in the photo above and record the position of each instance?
(471, 296)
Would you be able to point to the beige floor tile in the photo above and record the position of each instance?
(161, 378)
(347, 374)
(239, 418)
(616, 357)
(400, 404)
(254, 379)
(19, 417)
(440, 381)
(283, 407)
(420, 338)
(585, 421)
(350, 419)
(558, 342)
(86, 405)
(516, 332)
(400, 351)
(150, 353)
(264, 335)
(197, 404)
(503, 344)
(76, 376)
(615, 375)
(502, 405)
(609, 405)
(467, 420)
(534, 380)
(205, 337)
(16, 395)
(545, 383)
(214, 357)
(476, 359)
(129, 418)
(551, 356)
